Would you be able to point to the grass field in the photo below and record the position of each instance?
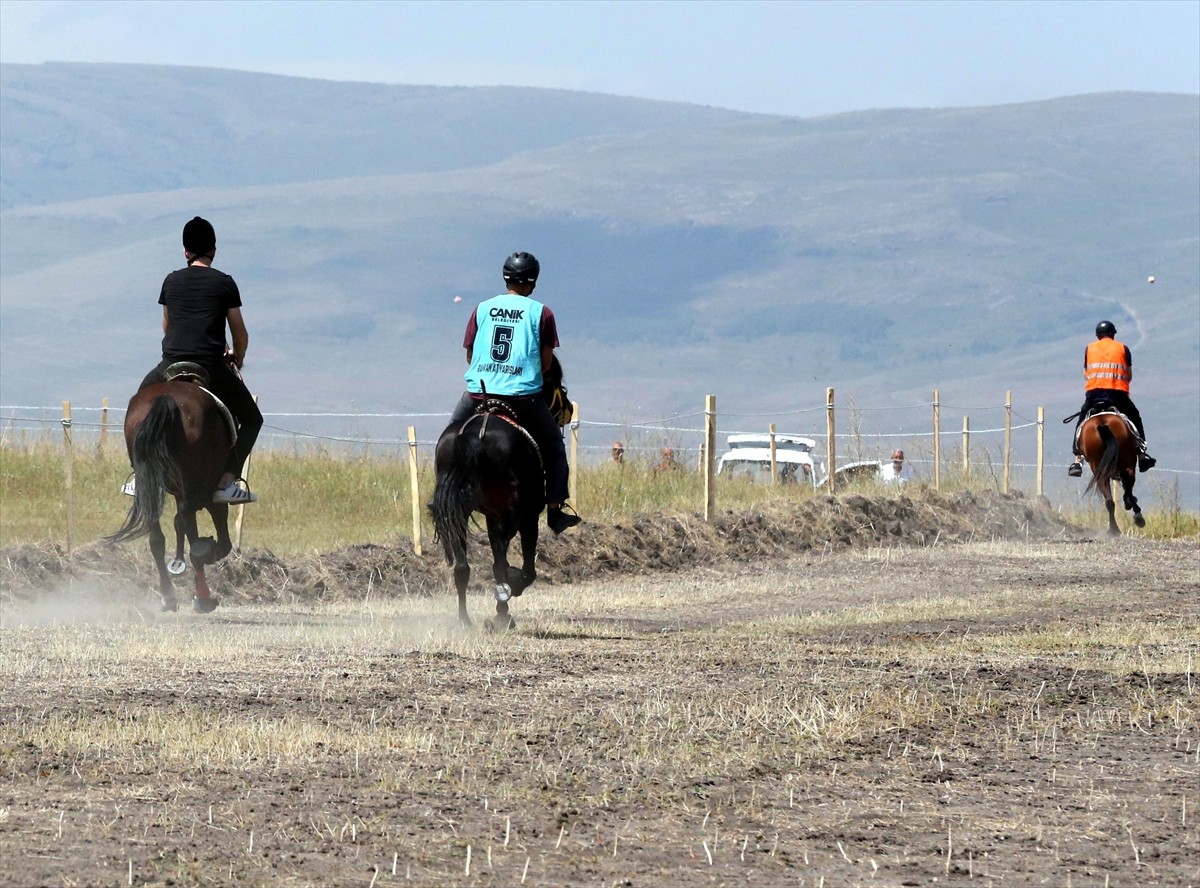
(318, 501)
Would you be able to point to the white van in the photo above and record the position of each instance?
(749, 456)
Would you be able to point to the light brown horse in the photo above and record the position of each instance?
(178, 442)
(1111, 450)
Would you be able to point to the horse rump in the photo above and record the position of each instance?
(1108, 468)
(154, 467)
(457, 488)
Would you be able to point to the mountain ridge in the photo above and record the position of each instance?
(885, 252)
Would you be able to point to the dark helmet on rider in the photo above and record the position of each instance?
(1105, 328)
(199, 239)
(521, 268)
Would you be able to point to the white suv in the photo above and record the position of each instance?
(749, 456)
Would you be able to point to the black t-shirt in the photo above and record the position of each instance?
(198, 300)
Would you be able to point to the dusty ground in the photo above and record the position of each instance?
(949, 690)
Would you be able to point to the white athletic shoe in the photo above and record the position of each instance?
(129, 488)
(234, 495)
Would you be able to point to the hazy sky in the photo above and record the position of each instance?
(794, 57)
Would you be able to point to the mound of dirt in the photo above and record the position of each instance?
(653, 542)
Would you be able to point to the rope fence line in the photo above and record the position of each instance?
(653, 428)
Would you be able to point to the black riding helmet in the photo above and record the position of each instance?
(521, 268)
(1105, 328)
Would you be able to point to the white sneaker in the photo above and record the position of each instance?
(129, 488)
(234, 495)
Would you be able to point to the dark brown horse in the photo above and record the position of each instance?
(490, 465)
(178, 440)
(1110, 447)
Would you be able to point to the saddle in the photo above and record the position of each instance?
(189, 371)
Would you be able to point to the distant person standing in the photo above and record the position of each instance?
(897, 471)
(198, 303)
(618, 453)
(668, 463)
(510, 342)
(1107, 373)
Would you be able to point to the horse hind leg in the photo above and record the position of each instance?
(176, 566)
(1111, 505)
(1131, 502)
(456, 554)
(158, 551)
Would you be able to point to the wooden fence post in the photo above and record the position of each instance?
(103, 426)
(830, 445)
(937, 441)
(710, 447)
(1041, 446)
(1007, 439)
(966, 448)
(573, 491)
(774, 455)
(69, 471)
(416, 494)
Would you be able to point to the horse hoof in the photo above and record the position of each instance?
(204, 605)
(170, 604)
(1139, 520)
(176, 566)
(202, 549)
(503, 592)
(499, 623)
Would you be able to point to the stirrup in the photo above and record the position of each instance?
(129, 488)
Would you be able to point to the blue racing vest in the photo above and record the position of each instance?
(506, 358)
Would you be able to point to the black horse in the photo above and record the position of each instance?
(178, 441)
(489, 464)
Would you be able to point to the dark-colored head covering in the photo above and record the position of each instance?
(199, 239)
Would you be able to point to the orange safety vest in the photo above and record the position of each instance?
(1105, 366)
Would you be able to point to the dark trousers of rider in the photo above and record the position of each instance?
(1098, 398)
(227, 386)
(534, 414)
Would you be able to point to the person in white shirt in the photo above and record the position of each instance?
(897, 471)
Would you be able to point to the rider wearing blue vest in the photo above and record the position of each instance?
(516, 337)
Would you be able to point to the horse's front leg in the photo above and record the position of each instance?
(219, 512)
(529, 541)
(500, 533)
(201, 553)
(158, 551)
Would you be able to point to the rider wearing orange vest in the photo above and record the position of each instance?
(1107, 371)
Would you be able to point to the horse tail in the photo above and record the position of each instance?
(1108, 469)
(153, 467)
(456, 493)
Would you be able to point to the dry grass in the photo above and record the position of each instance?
(841, 719)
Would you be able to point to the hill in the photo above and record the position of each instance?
(685, 250)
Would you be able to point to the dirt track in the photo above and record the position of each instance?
(1004, 713)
